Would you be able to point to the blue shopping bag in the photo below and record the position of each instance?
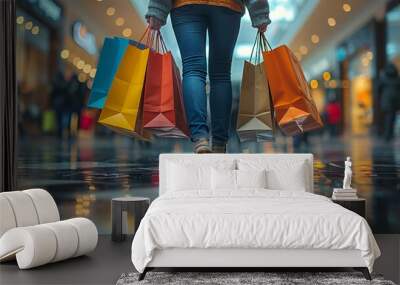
(110, 58)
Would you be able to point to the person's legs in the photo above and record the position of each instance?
(223, 32)
(190, 26)
(390, 118)
(66, 123)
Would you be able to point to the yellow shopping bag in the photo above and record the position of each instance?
(123, 108)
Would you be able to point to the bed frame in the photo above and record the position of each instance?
(249, 259)
(245, 259)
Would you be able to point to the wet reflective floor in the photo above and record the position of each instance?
(84, 174)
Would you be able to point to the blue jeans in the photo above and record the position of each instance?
(190, 24)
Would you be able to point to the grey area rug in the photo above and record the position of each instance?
(233, 278)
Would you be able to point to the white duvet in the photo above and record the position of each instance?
(250, 219)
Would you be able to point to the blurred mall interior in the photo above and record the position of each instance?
(343, 45)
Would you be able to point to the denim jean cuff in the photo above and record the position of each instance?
(219, 142)
(196, 139)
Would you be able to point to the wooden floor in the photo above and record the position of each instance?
(104, 266)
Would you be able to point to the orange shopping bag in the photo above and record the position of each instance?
(295, 110)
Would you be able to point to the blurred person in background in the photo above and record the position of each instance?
(73, 105)
(389, 88)
(29, 110)
(22, 107)
(300, 142)
(191, 19)
(57, 95)
(333, 112)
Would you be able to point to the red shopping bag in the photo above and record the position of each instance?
(163, 109)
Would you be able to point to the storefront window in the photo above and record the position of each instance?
(359, 71)
(33, 45)
(361, 92)
(393, 36)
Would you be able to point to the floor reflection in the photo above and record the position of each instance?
(83, 175)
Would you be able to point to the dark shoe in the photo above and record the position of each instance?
(201, 146)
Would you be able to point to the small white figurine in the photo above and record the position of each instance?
(347, 174)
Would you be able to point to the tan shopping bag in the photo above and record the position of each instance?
(255, 118)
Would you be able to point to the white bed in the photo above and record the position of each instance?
(249, 227)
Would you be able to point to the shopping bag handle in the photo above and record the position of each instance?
(265, 41)
(145, 39)
(160, 44)
(254, 46)
(144, 34)
(154, 40)
(148, 37)
(260, 44)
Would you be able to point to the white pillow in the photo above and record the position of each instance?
(251, 178)
(291, 175)
(296, 181)
(186, 175)
(183, 178)
(223, 179)
(229, 180)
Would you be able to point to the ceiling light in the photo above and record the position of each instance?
(87, 68)
(333, 84)
(64, 54)
(80, 64)
(28, 25)
(92, 73)
(35, 30)
(346, 7)
(314, 84)
(119, 21)
(75, 61)
(331, 22)
(326, 76)
(303, 50)
(127, 32)
(20, 20)
(110, 11)
(315, 38)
